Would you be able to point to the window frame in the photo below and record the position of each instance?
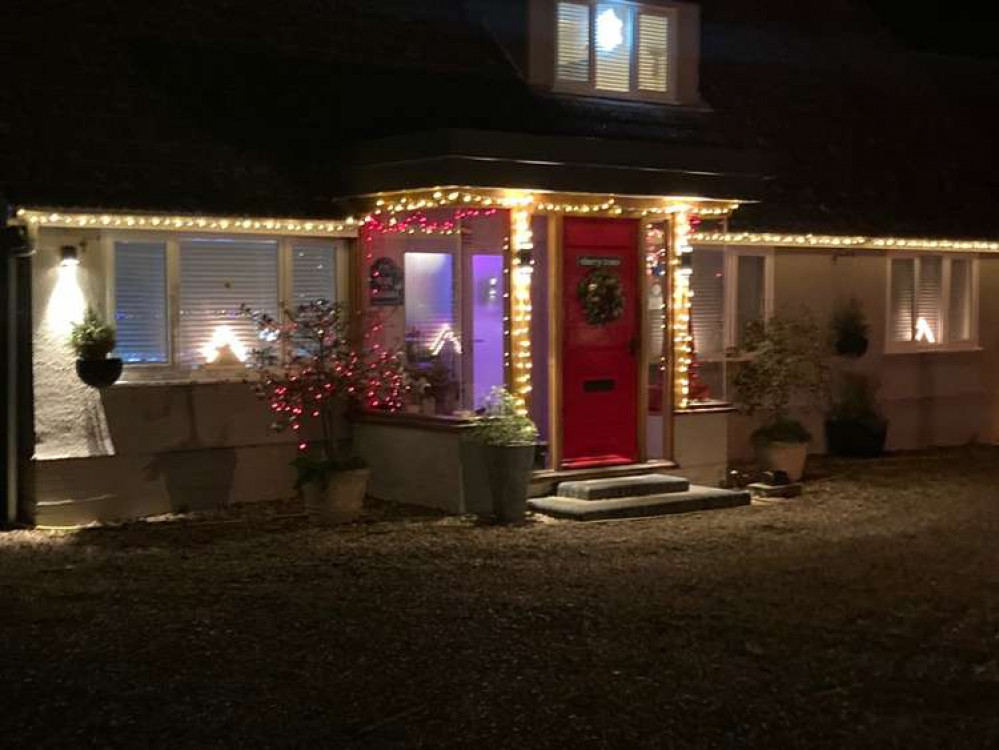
(342, 248)
(944, 343)
(634, 93)
(730, 296)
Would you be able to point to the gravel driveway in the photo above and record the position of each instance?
(864, 614)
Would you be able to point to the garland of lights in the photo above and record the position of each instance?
(602, 297)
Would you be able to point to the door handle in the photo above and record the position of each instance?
(633, 346)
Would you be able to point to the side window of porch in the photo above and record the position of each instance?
(730, 289)
(931, 303)
(438, 295)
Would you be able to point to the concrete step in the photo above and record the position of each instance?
(618, 487)
(694, 499)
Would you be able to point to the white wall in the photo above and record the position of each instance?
(930, 399)
(135, 449)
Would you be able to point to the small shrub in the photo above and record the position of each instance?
(503, 422)
(850, 332)
(92, 338)
(786, 359)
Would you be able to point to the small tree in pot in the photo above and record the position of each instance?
(786, 359)
(508, 437)
(93, 340)
(322, 374)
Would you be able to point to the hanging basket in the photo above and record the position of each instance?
(99, 373)
(601, 296)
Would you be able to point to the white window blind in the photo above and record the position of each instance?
(140, 282)
(613, 42)
(708, 303)
(903, 298)
(573, 43)
(928, 300)
(313, 273)
(959, 310)
(217, 276)
(653, 52)
(751, 290)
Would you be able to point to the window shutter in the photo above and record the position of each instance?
(613, 40)
(653, 52)
(141, 301)
(708, 303)
(430, 298)
(959, 309)
(313, 273)
(928, 301)
(903, 299)
(217, 276)
(573, 43)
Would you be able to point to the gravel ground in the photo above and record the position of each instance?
(864, 614)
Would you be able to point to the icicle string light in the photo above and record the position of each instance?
(166, 222)
(852, 242)
(683, 341)
(522, 266)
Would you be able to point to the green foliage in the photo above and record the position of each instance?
(850, 332)
(502, 423)
(787, 359)
(855, 401)
(782, 431)
(92, 338)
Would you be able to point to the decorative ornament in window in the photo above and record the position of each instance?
(602, 297)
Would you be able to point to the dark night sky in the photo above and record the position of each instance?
(949, 27)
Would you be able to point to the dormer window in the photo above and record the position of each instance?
(614, 49)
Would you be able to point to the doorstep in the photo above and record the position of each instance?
(544, 482)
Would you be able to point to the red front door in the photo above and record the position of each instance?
(600, 349)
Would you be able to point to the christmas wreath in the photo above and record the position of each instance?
(601, 296)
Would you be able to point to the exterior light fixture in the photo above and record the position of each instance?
(69, 256)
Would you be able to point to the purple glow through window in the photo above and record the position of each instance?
(487, 325)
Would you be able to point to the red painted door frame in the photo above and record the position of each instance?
(600, 363)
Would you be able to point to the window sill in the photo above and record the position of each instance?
(715, 407)
(140, 375)
(968, 349)
(434, 422)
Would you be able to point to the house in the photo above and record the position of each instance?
(460, 173)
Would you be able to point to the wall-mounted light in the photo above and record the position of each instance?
(69, 256)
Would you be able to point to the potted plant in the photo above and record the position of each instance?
(850, 332)
(785, 360)
(309, 373)
(855, 426)
(93, 340)
(508, 436)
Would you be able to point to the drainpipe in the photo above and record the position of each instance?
(17, 249)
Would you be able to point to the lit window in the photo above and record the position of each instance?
(931, 302)
(217, 277)
(140, 283)
(313, 273)
(615, 49)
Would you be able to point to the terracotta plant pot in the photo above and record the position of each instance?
(509, 472)
(787, 457)
(341, 501)
(99, 373)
